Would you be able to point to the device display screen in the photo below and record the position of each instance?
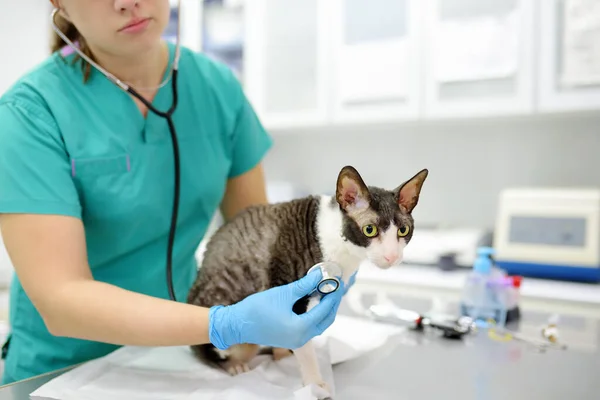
(554, 231)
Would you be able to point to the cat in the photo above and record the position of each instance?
(270, 245)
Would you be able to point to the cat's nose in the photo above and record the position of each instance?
(390, 258)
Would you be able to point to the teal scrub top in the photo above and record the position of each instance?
(86, 151)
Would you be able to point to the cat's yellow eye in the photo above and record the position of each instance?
(369, 230)
(403, 231)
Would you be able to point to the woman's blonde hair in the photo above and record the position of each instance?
(71, 32)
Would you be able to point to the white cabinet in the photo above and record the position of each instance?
(376, 61)
(569, 77)
(479, 57)
(319, 63)
(190, 27)
(286, 60)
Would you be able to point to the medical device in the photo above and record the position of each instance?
(168, 115)
(330, 282)
(448, 327)
(438, 245)
(549, 233)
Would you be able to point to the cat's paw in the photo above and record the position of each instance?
(325, 393)
(324, 385)
(280, 353)
(234, 368)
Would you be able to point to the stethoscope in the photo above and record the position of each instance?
(330, 280)
(168, 115)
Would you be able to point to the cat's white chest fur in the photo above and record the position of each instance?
(329, 228)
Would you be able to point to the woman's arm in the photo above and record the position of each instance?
(243, 191)
(49, 256)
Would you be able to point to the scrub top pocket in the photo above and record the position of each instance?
(100, 166)
(104, 184)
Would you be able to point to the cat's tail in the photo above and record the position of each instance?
(210, 354)
(233, 360)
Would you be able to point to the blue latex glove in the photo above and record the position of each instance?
(266, 318)
(350, 282)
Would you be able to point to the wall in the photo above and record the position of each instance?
(469, 162)
(24, 38)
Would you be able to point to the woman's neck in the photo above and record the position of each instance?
(144, 70)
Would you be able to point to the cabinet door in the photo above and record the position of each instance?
(479, 57)
(190, 29)
(376, 60)
(569, 75)
(285, 61)
(223, 33)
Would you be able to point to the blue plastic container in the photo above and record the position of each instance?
(485, 291)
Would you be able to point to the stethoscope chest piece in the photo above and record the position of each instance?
(330, 282)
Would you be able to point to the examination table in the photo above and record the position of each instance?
(417, 365)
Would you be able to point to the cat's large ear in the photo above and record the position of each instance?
(408, 193)
(352, 194)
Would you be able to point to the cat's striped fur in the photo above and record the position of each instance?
(271, 245)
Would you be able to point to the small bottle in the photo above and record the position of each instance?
(483, 293)
(513, 310)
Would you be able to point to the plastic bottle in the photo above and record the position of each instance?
(485, 292)
(513, 311)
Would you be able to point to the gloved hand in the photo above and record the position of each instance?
(350, 282)
(266, 318)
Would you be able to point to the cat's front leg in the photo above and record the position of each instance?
(309, 366)
(307, 357)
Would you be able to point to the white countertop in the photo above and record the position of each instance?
(431, 277)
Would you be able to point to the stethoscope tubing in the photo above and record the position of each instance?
(168, 115)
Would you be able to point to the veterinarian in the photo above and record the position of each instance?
(86, 195)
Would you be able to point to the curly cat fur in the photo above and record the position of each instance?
(275, 244)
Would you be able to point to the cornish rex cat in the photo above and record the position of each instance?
(271, 245)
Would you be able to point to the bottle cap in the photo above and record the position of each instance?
(483, 262)
(486, 251)
(516, 280)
